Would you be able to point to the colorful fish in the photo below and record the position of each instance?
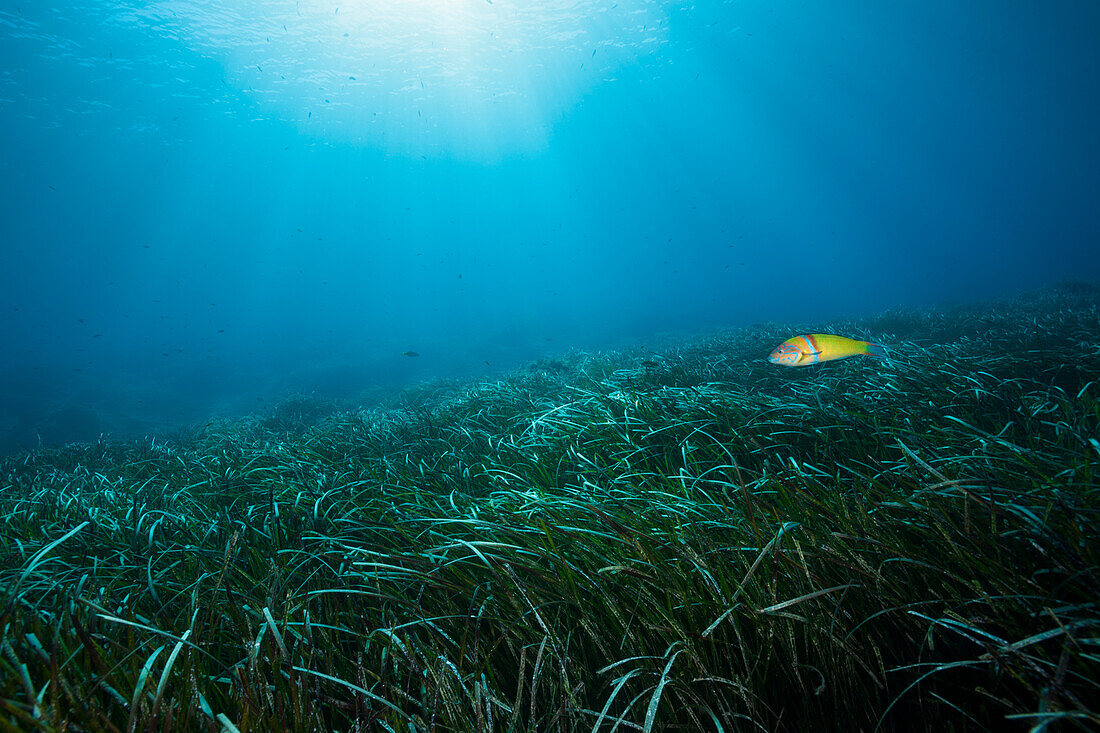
(816, 347)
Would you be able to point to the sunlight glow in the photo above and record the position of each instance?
(418, 76)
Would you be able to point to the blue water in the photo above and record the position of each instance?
(209, 204)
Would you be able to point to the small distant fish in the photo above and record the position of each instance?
(410, 353)
(817, 347)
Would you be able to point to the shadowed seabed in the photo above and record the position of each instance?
(682, 538)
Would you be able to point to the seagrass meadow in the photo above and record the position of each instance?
(674, 538)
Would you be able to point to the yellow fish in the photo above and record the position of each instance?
(815, 347)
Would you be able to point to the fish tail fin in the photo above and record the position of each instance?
(875, 350)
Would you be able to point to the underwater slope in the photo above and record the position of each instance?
(683, 539)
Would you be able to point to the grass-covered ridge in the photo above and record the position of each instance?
(691, 539)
